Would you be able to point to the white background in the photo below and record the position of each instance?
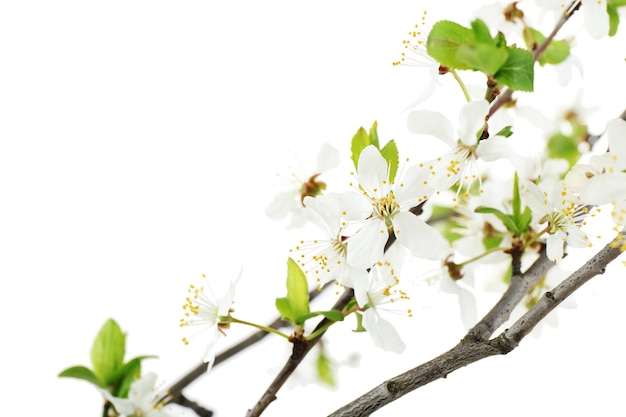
(139, 143)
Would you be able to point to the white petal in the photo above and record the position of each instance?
(495, 148)
(619, 213)
(382, 332)
(327, 158)
(616, 133)
(431, 123)
(372, 169)
(366, 246)
(422, 240)
(430, 87)
(471, 120)
(596, 18)
(576, 237)
(536, 200)
(554, 248)
(605, 188)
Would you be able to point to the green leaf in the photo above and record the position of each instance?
(458, 47)
(492, 242)
(374, 134)
(334, 315)
(517, 201)
(325, 369)
(518, 71)
(616, 3)
(132, 371)
(390, 153)
(284, 308)
(128, 373)
(555, 53)
(445, 39)
(359, 323)
(613, 18)
(563, 146)
(506, 220)
(82, 372)
(506, 131)
(525, 220)
(297, 290)
(107, 353)
(360, 141)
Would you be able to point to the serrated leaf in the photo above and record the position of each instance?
(107, 352)
(456, 46)
(506, 131)
(481, 32)
(518, 71)
(297, 289)
(484, 58)
(360, 141)
(82, 372)
(444, 41)
(390, 153)
(325, 369)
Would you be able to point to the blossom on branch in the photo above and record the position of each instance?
(460, 165)
(552, 203)
(203, 307)
(385, 206)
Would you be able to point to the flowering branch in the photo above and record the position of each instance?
(507, 95)
(300, 349)
(471, 349)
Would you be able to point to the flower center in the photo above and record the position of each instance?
(386, 207)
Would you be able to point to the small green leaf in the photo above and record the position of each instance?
(525, 220)
(107, 353)
(284, 308)
(481, 32)
(506, 220)
(517, 201)
(128, 373)
(613, 18)
(374, 134)
(555, 53)
(297, 289)
(563, 146)
(359, 323)
(492, 242)
(390, 153)
(82, 372)
(325, 369)
(506, 131)
(360, 141)
(334, 315)
(484, 58)
(518, 71)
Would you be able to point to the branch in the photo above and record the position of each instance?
(301, 348)
(520, 285)
(507, 95)
(469, 351)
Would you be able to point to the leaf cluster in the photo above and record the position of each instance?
(109, 371)
(362, 139)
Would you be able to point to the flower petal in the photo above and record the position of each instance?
(327, 158)
(616, 133)
(431, 123)
(605, 188)
(418, 237)
(471, 120)
(596, 18)
(382, 332)
(366, 246)
(372, 169)
(554, 246)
